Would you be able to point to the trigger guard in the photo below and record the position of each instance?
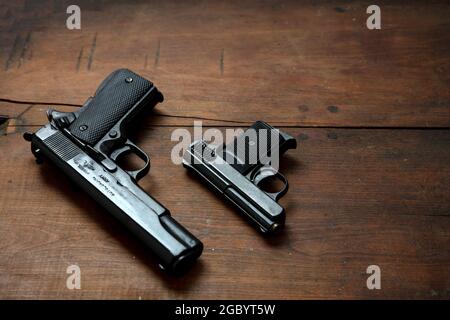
(260, 176)
(128, 148)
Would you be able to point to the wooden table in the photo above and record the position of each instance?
(370, 181)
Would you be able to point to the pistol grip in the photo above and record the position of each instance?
(120, 97)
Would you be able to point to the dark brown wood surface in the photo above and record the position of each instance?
(369, 183)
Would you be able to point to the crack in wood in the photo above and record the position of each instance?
(91, 53)
(80, 56)
(197, 118)
(25, 47)
(157, 53)
(280, 124)
(12, 52)
(14, 101)
(32, 103)
(222, 53)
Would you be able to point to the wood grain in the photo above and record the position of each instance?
(295, 63)
(369, 183)
(357, 197)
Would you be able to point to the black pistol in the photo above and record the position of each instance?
(238, 170)
(86, 145)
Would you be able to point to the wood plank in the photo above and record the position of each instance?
(357, 198)
(313, 64)
(34, 115)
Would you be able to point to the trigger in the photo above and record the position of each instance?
(129, 148)
(118, 152)
(263, 174)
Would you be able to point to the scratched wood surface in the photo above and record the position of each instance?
(370, 181)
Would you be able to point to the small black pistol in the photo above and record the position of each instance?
(239, 169)
(86, 145)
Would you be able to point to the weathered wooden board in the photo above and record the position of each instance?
(357, 198)
(293, 63)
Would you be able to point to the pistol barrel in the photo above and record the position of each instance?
(174, 246)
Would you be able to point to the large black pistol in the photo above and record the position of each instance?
(240, 169)
(86, 145)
